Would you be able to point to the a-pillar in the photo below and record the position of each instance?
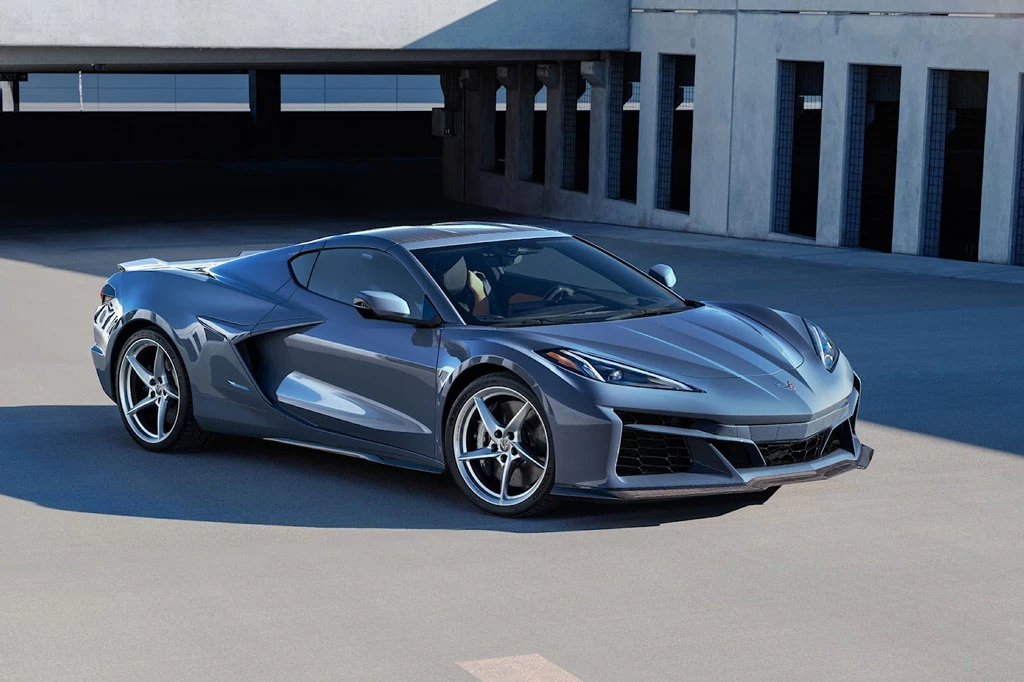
(265, 109)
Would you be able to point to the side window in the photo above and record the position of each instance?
(302, 266)
(340, 274)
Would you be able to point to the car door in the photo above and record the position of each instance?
(358, 376)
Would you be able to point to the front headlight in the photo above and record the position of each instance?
(611, 372)
(827, 350)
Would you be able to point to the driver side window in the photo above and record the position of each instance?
(340, 274)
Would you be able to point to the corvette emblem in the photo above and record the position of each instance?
(785, 384)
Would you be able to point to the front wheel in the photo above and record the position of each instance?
(498, 447)
(154, 396)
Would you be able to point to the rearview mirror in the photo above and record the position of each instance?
(664, 274)
(382, 304)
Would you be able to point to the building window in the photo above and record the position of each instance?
(575, 129)
(872, 132)
(675, 132)
(135, 92)
(623, 125)
(540, 131)
(797, 147)
(360, 92)
(956, 157)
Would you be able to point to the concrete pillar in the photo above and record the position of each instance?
(832, 157)
(597, 74)
(519, 82)
(647, 148)
(999, 178)
(265, 109)
(483, 113)
(551, 76)
(910, 160)
(10, 93)
(453, 147)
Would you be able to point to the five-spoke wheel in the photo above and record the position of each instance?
(154, 396)
(498, 446)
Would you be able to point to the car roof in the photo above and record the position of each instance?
(442, 234)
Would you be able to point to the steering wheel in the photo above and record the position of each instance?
(559, 292)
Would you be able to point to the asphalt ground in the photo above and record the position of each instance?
(256, 561)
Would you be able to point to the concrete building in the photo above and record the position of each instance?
(890, 125)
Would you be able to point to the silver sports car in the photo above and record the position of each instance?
(526, 362)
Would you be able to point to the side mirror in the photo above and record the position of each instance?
(383, 305)
(664, 274)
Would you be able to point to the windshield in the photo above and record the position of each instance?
(557, 280)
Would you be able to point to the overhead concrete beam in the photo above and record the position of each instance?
(306, 24)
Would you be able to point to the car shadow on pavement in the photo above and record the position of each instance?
(79, 458)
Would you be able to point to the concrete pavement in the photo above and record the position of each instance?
(256, 561)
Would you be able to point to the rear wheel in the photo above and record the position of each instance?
(498, 447)
(154, 397)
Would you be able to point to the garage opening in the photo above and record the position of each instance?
(956, 157)
(575, 129)
(623, 125)
(675, 132)
(873, 129)
(113, 148)
(798, 147)
(540, 131)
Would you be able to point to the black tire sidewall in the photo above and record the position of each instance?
(506, 381)
(184, 389)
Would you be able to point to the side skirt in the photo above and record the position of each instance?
(431, 468)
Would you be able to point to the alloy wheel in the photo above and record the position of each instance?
(501, 446)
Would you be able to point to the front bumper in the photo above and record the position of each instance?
(711, 472)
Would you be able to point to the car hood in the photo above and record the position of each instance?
(707, 342)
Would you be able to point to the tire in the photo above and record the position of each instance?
(501, 469)
(156, 406)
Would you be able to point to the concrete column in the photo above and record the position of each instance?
(999, 178)
(647, 148)
(453, 147)
(832, 157)
(265, 109)
(483, 113)
(519, 83)
(599, 105)
(10, 93)
(551, 75)
(910, 160)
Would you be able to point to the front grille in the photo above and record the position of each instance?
(737, 454)
(644, 453)
(793, 452)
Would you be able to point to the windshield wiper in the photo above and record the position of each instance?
(646, 312)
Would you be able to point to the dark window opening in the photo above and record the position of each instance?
(871, 172)
(955, 161)
(540, 131)
(624, 126)
(675, 132)
(500, 118)
(575, 130)
(798, 147)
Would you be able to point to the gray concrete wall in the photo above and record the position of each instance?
(737, 53)
(317, 24)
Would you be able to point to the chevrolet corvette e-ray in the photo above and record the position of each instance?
(528, 363)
